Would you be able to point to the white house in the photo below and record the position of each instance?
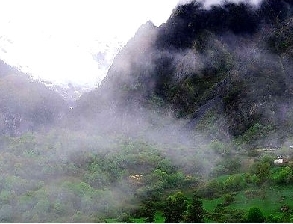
(279, 161)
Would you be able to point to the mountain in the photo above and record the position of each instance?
(26, 104)
(227, 70)
(119, 83)
(183, 110)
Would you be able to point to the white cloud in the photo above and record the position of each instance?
(55, 39)
(208, 3)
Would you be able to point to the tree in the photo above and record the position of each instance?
(283, 175)
(174, 207)
(195, 211)
(228, 199)
(148, 210)
(255, 215)
(262, 170)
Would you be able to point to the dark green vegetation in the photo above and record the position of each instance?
(185, 127)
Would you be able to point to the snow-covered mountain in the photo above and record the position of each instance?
(61, 62)
(98, 53)
(72, 42)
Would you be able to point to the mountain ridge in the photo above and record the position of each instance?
(198, 58)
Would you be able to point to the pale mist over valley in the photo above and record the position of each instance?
(146, 111)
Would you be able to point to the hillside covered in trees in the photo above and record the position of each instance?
(193, 123)
(230, 63)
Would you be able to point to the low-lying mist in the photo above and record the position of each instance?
(179, 100)
(85, 171)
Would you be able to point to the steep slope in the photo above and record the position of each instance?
(26, 105)
(239, 70)
(128, 75)
(227, 69)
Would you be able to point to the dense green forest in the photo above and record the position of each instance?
(193, 123)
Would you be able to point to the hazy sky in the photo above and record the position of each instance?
(55, 39)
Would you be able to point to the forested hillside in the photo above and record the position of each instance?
(193, 123)
(230, 64)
